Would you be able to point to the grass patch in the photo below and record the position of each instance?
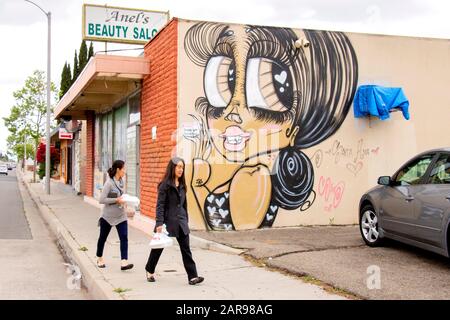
(83, 249)
(121, 290)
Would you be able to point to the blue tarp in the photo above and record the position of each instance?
(379, 101)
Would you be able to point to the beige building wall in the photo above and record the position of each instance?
(345, 164)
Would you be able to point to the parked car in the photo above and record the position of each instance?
(9, 166)
(3, 169)
(412, 206)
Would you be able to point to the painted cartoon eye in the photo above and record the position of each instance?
(219, 81)
(269, 85)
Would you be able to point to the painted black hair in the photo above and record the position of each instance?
(118, 164)
(326, 83)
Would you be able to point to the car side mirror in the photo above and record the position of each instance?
(385, 181)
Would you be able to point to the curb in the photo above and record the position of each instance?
(97, 286)
(213, 246)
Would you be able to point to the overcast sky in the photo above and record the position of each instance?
(23, 27)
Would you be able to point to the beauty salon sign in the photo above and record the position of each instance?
(124, 25)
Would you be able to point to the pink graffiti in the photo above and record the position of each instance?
(375, 151)
(332, 193)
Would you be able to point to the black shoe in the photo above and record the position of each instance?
(101, 265)
(127, 267)
(151, 278)
(195, 281)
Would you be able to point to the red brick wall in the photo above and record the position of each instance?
(90, 144)
(159, 108)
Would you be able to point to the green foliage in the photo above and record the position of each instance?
(76, 69)
(27, 117)
(83, 56)
(41, 169)
(91, 51)
(66, 80)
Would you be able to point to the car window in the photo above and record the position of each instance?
(441, 170)
(413, 172)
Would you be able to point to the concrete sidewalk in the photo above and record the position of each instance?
(228, 276)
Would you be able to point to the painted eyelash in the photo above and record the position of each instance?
(272, 116)
(223, 49)
(203, 107)
(213, 112)
(272, 49)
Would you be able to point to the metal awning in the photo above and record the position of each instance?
(106, 80)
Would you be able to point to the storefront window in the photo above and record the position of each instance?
(120, 133)
(106, 148)
(98, 163)
(135, 108)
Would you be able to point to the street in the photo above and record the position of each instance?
(31, 266)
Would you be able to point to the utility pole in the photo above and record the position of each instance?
(47, 129)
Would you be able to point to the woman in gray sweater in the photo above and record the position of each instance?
(113, 214)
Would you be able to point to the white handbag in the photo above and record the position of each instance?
(161, 240)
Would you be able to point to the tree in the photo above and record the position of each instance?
(28, 115)
(91, 51)
(66, 80)
(40, 158)
(83, 56)
(76, 70)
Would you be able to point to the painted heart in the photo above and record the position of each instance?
(269, 217)
(211, 210)
(230, 72)
(281, 78)
(274, 208)
(223, 213)
(227, 195)
(220, 202)
(211, 198)
(216, 222)
(354, 168)
(228, 226)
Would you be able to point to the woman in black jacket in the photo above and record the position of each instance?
(171, 210)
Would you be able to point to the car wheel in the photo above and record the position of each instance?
(368, 225)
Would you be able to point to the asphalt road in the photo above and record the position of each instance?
(31, 266)
(337, 256)
(13, 223)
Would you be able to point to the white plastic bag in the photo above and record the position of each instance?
(161, 240)
(131, 201)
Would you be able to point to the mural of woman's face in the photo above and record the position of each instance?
(251, 93)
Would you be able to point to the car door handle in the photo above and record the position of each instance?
(409, 199)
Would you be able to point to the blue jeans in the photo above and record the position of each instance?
(122, 230)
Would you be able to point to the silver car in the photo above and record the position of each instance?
(412, 206)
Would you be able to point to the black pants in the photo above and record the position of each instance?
(122, 231)
(188, 262)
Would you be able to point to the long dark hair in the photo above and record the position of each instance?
(169, 176)
(118, 164)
